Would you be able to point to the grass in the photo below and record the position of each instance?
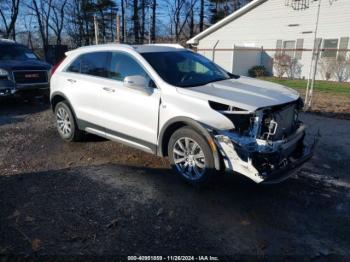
(320, 86)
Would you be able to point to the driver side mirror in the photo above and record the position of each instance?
(138, 83)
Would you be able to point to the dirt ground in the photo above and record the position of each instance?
(102, 198)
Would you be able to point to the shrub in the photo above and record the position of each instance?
(258, 71)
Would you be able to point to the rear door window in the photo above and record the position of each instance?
(95, 64)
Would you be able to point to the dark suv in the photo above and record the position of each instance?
(21, 69)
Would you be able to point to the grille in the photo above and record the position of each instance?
(30, 77)
(286, 120)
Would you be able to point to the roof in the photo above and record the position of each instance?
(245, 9)
(138, 48)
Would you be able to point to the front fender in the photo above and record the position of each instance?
(173, 124)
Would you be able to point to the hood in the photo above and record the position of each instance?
(23, 65)
(245, 93)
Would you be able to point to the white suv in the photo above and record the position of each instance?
(170, 101)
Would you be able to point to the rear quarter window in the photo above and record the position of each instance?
(94, 64)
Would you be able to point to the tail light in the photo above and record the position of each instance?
(54, 68)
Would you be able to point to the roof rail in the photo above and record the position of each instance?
(178, 46)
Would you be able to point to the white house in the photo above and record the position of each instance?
(253, 34)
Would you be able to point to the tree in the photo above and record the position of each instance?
(341, 68)
(180, 11)
(58, 19)
(201, 16)
(9, 22)
(42, 10)
(136, 21)
(153, 28)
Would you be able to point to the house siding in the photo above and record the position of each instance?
(270, 21)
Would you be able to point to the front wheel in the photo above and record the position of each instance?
(191, 157)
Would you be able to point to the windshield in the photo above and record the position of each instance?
(16, 52)
(185, 68)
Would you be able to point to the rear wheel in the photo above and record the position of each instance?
(66, 123)
(191, 157)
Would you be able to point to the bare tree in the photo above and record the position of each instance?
(153, 28)
(136, 21)
(280, 64)
(180, 11)
(325, 68)
(58, 19)
(201, 16)
(42, 10)
(9, 23)
(341, 68)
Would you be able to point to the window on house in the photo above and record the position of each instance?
(330, 48)
(289, 48)
(343, 46)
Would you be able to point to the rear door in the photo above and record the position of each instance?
(84, 79)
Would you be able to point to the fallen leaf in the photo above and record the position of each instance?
(14, 215)
(245, 223)
(36, 244)
(113, 223)
(29, 219)
(160, 211)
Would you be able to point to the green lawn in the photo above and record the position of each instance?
(322, 86)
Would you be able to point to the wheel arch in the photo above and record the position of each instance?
(57, 97)
(178, 122)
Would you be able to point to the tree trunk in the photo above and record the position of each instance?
(153, 32)
(191, 23)
(136, 22)
(123, 21)
(143, 17)
(201, 16)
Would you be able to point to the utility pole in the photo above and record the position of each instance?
(313, 65)
(118, 29)
(96, 30)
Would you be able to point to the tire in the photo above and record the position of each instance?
(193, 162)
(66, 123)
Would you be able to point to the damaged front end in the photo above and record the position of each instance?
(266, 145)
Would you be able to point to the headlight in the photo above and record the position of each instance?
(3, 73)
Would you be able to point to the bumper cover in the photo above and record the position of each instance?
(8, 87)
(264, 162)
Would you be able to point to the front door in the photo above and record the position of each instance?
(128, 113)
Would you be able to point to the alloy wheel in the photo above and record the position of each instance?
(63, 122)
(189, 158)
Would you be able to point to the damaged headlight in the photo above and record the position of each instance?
(240, 118)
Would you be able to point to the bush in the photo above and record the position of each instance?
(258, 71)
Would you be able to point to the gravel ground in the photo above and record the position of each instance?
(103, 198)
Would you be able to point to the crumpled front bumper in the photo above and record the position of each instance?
(263, 161)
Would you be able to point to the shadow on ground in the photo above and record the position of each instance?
(114, 209)
(14, 109)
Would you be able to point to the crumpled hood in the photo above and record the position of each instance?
(244, 92)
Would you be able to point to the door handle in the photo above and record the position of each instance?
(108, 89)
(72, 81)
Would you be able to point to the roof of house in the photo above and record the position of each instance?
(245, 9)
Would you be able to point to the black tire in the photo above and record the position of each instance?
(179, 168)
(75, 134)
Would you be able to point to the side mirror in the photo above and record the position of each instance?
(139, 83)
